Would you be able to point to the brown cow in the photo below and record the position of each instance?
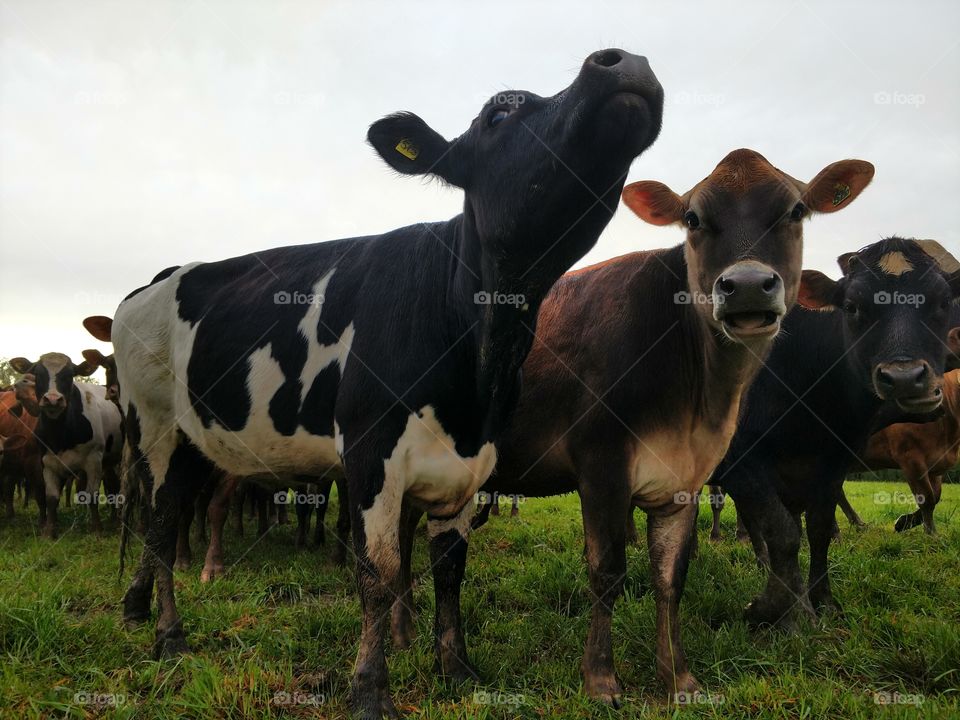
(21, 452)
(631, 391)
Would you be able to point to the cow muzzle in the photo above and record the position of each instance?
(53, 404)
(911, 384)
(748, 301)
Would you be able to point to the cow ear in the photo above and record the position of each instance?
(85, 368)
(94, 357)
(837, 185)
(817, 291)
(953, 341)
(410, 146)
(653, 202)
(20, 364)
(844, 262)
(99, 326)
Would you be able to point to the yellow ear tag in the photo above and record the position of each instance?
(840, 193)
(406, 148)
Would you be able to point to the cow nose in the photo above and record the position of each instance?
(897, 380)
(751, 282)
(606, 58)
(53, 398)
(614, 69)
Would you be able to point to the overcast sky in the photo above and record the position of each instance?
(138, 135)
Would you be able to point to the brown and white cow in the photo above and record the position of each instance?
(631, 392)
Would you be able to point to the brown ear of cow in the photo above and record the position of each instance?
(653, 202)
(953, 341)
(14, 442)
(20, 364)
(95, 357)
(816, 291)
(837, 185)
(99, 326)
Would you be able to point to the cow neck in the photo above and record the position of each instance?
(722, 368)
(503, 332)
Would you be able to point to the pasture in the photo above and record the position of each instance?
(276, 637)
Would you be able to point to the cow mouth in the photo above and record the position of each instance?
(751, 324)
(52, 411)
(921, 405)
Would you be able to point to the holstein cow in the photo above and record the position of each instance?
(396, 356)
(100, 327)
(79, 432)
(631, 391)
(21, 452)
(876, 336)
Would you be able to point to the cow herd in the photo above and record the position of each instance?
(421, 366)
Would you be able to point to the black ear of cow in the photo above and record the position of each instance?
(85, 368)
(20, 364)
(410, 146)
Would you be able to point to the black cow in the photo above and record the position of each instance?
(396, 356)
(877, 335)
(79, 432)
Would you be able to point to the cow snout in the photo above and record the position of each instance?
(113, 393)
(614, 70)
(53, 403)
(910, 383)
(748, 298)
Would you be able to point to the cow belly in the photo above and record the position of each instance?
(669, 467)
(426, 464)
(253, 452)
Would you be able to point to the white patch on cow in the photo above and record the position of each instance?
(895, 263)
(320, 356)
(338, 439)
(460, 523)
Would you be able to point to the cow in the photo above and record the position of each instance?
(79, 432)
(100, 326)
(631, 391)
(21, 452)
(875, 336)
(394, 357)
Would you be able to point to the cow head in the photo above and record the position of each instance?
(53, 377)
(539, 169)
(26, 396)
(109, 365)
(895, 296)
(953, 339)
(744, 240)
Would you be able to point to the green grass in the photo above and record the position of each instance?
(287, 621)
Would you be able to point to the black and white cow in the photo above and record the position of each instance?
(395, 356)
(80, 433)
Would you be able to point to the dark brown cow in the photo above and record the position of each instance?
(631, 392)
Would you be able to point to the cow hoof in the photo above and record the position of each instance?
(715, 537)
(136, 608)
(762, 613)
(49, 533)
(902, 523)
(603, 688)
(211, 572)
(826, 605)
(170, 643)
(181, 564)
(457, 670)
(372, 705)
(684, 685)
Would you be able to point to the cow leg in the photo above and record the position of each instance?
(752, 531)
(821, 516)
(402, 626)
(8, 484)
(237, 503)
(93, 470)
(263, 511)
(448, 558)
(764, 513)
(743, 535)
(716, 507)
(632, 536)
(68, 491)
(303, 511)
(922, 488)
(111, 484)
(930, 502)
(323, 497)
(606, 556)
(217, 512)
(343, 522)
(852, 517)
(485, 506)
(51, 485)
(184, 555)
(669, 541)
(514, 506)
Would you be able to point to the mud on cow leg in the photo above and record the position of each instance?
(669, 539)
(448, 558)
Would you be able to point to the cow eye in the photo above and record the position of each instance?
(850, 307)
(497, 116)
(798, 212)
(691, 220)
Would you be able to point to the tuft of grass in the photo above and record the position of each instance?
(276, 637)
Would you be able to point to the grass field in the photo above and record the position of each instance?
(277, 636)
